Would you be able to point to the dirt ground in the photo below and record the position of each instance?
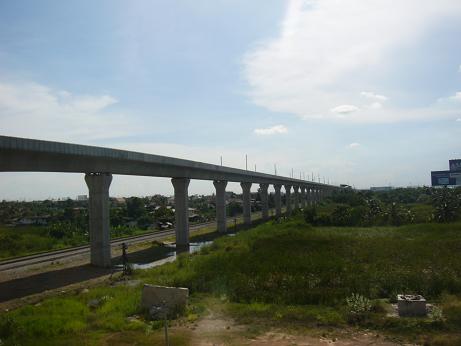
(219, 330)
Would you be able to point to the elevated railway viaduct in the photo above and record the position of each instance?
(99, 164)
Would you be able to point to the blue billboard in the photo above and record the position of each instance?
(455, 165)
(442, 178)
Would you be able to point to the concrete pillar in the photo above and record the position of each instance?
(278, 200)
(246, 186)
(181, 211)
(221, 222)
(264, 200)
(296, 197)
(303, 197)
(99, 218)
(288, 199)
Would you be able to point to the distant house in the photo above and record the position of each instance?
(195, 217)
(82, 198)
(118, 201)
(33, 220)
(131, 224)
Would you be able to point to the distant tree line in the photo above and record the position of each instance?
(348, 207)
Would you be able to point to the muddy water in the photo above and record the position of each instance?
(171, 256)
(168, 254)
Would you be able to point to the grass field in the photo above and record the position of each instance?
(28, 240)
(284, 274)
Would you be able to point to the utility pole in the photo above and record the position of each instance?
(255, 167)
(312, 176)
(221, 160)
(246, 162)
(275, 169)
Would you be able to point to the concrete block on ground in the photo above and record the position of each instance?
(411, 305)
(173, 298)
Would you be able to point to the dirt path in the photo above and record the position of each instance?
(219, 330)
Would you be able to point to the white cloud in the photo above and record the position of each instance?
(458, 120)
(325, 49)
(456, 96)
(459, 68)
(353, 145)
(376, 105)
(345, 109)
(372, 95)
(29, 109)
(277, 129)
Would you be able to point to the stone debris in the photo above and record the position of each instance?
(158, 299)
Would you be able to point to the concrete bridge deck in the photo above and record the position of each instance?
(32, 155)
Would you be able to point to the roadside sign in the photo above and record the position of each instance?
(455, 165)
(442, 178)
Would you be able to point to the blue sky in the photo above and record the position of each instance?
(365, 93)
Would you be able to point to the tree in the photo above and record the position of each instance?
(446, 203)
(164, 214)
(135, 207)
(234, 208)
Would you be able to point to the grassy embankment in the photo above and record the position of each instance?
(28, 240)
(288, 274)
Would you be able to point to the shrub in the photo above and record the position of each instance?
(446, 204)
(342, 216)
(452, 311)
(358, 307)
(310, 215)
(358, 304)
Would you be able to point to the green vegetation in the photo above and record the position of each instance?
(290, 274)
(26, 240)
(391, 208)
(30, 227)
(285, 273)
(294, 263)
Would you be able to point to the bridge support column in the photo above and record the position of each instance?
(278, 200)
(246, 186)
(264, 200)
(288, 199)
(221, 222)
(98, 208)
(303, 197)
(296, 197)
(181, 212)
